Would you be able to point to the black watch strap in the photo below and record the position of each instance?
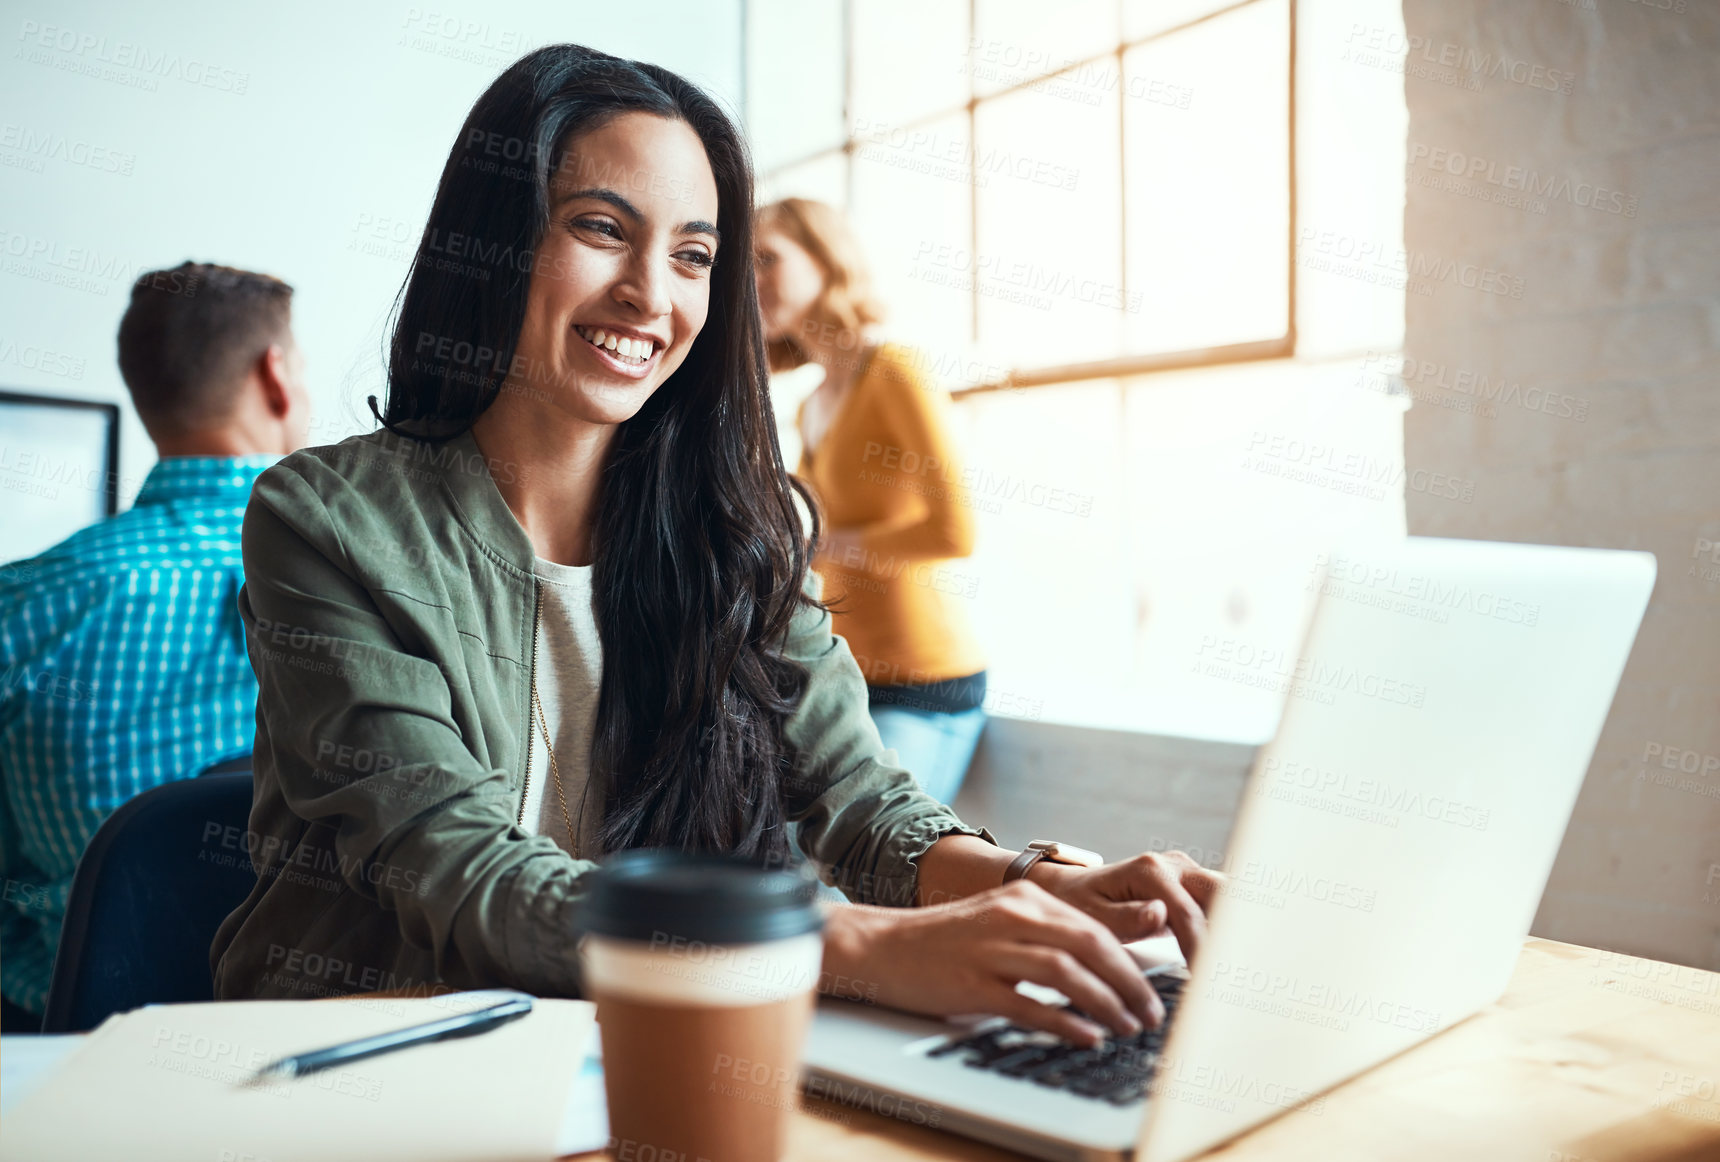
(1019, 866)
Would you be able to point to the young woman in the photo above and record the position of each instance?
(557, 608)
(879, 458)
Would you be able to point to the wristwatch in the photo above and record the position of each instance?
(1055, 852)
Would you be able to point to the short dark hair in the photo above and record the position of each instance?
(189, 335)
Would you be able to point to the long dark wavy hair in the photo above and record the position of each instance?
(700, 551)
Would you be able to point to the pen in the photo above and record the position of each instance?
(464, 1025)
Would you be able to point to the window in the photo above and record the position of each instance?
(1021, 171)
(1059, 199)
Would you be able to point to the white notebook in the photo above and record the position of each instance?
(167, 1082)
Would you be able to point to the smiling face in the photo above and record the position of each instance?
(621, 283)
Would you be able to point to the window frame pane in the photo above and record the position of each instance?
(1282, 345)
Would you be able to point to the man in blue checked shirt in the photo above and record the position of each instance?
(122, 657)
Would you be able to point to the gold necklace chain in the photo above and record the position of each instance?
(543, 724)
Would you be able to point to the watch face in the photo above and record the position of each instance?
(1069, 853)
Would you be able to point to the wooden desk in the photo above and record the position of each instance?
(1589, 1057)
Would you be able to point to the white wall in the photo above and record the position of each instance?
(302, 140)
(1606, 431)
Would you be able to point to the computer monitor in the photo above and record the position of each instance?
(59, 462)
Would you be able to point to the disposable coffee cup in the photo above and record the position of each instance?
(704, 970)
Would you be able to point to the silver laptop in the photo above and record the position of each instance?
(1390, 851)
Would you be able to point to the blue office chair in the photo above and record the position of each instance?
(228, 766)
(156, 881)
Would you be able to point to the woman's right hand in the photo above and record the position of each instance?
(967, 957)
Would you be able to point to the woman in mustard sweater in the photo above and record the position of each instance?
(877, 452)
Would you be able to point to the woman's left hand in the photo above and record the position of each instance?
(1138, 897)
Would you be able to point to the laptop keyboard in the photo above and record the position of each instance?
(1118, 1070)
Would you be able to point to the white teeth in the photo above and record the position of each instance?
(633, 350)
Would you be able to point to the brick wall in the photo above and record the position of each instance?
(1566, 157)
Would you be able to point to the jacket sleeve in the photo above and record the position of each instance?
(937, 522)
(864, 821)
(418, 824)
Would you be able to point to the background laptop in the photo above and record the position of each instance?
(1390, 851)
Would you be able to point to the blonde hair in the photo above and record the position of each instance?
(848, 302)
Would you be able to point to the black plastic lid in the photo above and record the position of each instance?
(717, 899)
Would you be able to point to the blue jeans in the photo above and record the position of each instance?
(935, 747)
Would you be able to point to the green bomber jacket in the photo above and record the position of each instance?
(388, 606)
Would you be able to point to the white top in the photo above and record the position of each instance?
(569, 669)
